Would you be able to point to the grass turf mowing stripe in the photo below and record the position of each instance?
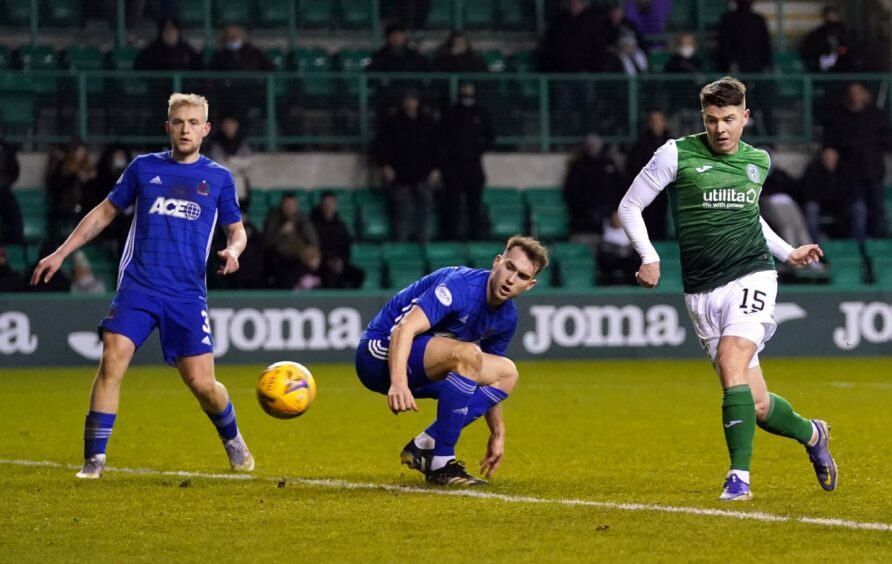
(476, 494)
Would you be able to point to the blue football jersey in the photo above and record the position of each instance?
(454, 300)
(177, 207)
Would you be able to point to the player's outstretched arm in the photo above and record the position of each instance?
(495, 446)
(89, 227)
(236, 241)
(399, 396)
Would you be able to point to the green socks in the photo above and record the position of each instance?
(783, 421)
(739, 420)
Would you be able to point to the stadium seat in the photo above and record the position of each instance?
(278, 58)
(354, 60)
(273, 13)
(443, 254)
(495, 61)
(878, 248)
(18, 12)
(38, 57)
(313, 61)
(35, 227)
(62, 13)
(374, 275)
(17, 112)
(122, 58)
(577, 272)
(406, 252)
(374, 222)
(668, 251)
(544, 197)
(191, 13)
(494, 196)
(316, 13)
(788, 62)
(549, 223)
(440, 15)
(480, 254)
(882, 272)
(31, 200)
(83, 58)
(658, 59)
(365, 252)
(235, 12)
(515, 14)
(17, 257)
(5, 59)
(480, 14)
(356, 14)
(506, 220)
(401, 273)
(565, 251)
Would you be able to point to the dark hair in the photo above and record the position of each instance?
(327, 194)
(724, 92)
(394, 27)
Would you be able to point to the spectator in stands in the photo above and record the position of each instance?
(862, 135)
(777, 204)
(60, 282)
(169, 51)
(617, 259)
(237, 54)
(11, 225)
(397, 55)
(229, 147)
(744, 41)
(648, 16)
(69, 173)
(309, 275)
(626, 56)
(467, 133)
(826, 48)
(654, 135)
(409, 153)
(457, 55)
(684, 58)
(288, 238)
(250, 275)
(112, 162)
(618, 27)
(574, 40)
(83, 280)
(826, 189)
(10, 280)
(592, 189)
(334, 242)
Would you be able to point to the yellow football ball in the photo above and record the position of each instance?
(286, 389)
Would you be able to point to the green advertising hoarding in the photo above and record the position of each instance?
(309, 327)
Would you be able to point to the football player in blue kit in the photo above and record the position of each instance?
(445, 337)
(179, 196)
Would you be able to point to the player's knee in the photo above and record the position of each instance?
(467, 360)
(509, 376)
(202, 388)
(762, 406)
(113, 364)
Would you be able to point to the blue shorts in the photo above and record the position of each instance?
(374, 373)
(184, 327)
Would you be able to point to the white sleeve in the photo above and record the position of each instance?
(778, 247)
(653, 178)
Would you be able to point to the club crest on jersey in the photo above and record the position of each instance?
(752, 172)
(444, 295)
(203, 188)
(172, 207)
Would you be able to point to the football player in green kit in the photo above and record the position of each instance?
(713, 180)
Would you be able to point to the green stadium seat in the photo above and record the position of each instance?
(235, 12)
(406, 252)
(480, 14)
(314, 61)
(354, 60)
(440, 15)
(545, 279)
(18, 12)
(374, 275)
(526, 62)
(443, 254)
(879, 249)
(506, 220)
(564, 251)
(847, 272)
(550, 223)
(402, 272)
(83, 58)
(63, 13)
(495, 61)
(273, 13)
(35, 227)
(122, 58)
(5, 58)
(356, 14)
(374, 222)
(316, 13)
(481, 254)
(670, 276)
(38, 57)
(278, 58)
(498, 197)
(668, 251)
(788, 62)
(17, 111)
(658, 59)
(191, 13)
(360, 252)
(882, 272)
(544, 197)
(577, 272)
(31, 200)
(369, 197)
(515, 14)
(17, 256)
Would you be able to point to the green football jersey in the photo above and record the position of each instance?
(715, 205)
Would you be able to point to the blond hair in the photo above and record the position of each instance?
(533, 249)
(178, 100)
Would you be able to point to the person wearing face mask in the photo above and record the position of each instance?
(169, 51)
(457, 55)
(467, 133)
(684, 58)
(237, 54)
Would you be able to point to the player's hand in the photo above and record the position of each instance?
(230, 262)
(495, 450)
(46, 268)
(400, 399)
(648, 275)
(805, 255)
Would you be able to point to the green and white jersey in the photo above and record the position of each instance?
(714, 200)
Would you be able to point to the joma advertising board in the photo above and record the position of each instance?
(325, 327)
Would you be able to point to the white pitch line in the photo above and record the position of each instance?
(477, 494)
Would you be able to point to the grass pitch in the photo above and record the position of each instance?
(598, 455)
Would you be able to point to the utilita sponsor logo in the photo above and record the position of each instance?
(603, 326)
(871, 322)
(728, 198)
(15, 334)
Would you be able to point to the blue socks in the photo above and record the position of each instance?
(225, 422)
(97, 430)
(483, 399)
(452, 409)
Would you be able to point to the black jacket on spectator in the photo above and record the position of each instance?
(826, 39)
(744, 42)
(403, 59)
(467, 133)
(334, 243)
(861, 138)
(592, 189)
(779, 181)
(159, 56)
(469, 61)
(10, 280)
(679, 64)
(247, 58)
(11, 225)
(830, 189)
(573, 44)
(410, 146)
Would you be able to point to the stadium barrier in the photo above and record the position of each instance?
(264, 327)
